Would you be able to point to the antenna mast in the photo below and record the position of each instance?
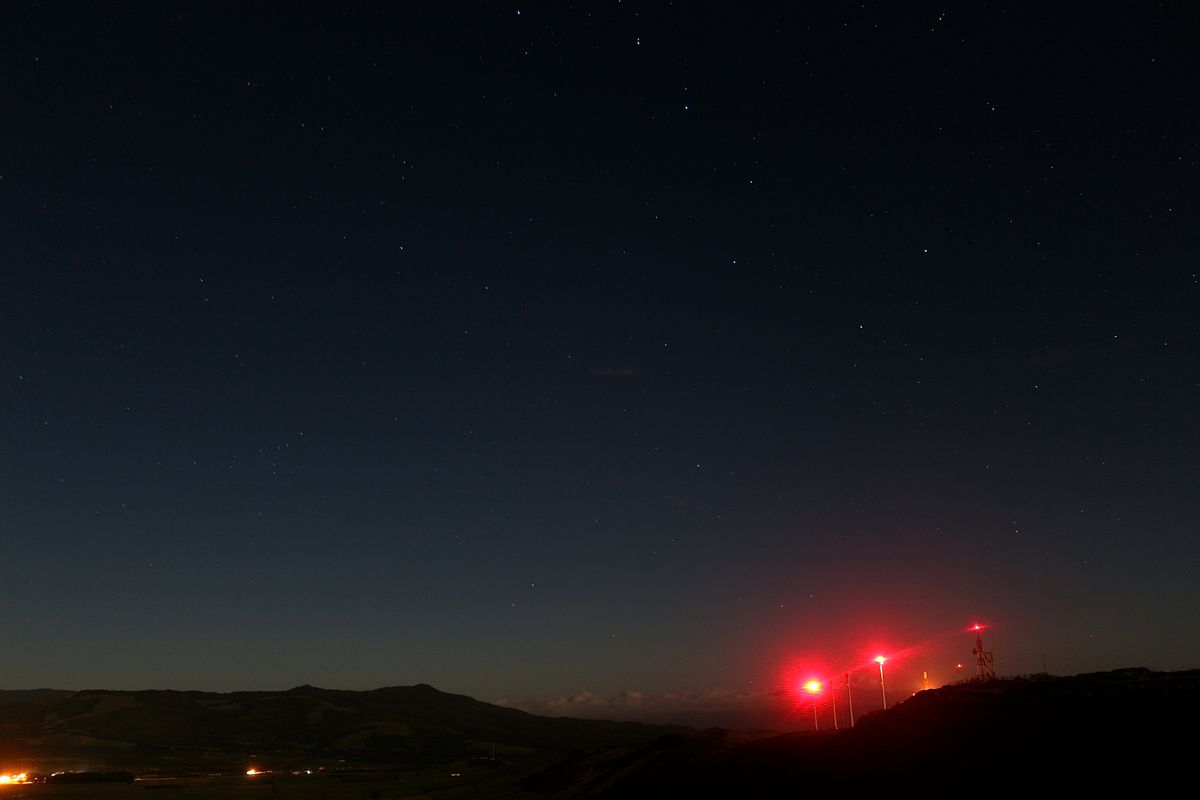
(985, 666)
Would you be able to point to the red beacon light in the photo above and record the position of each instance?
(882, 686)
(813, 687)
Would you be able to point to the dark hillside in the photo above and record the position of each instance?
(1132, 730)
(400, 724)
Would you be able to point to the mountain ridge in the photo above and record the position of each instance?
(400, 723)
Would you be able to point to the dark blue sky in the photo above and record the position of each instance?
(532, 349)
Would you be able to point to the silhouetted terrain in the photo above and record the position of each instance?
(1131, 731)
(400, 724)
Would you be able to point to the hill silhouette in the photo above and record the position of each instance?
(1130, 730)
(398, 724)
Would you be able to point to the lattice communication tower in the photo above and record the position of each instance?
(985, 666)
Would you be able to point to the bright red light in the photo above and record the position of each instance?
(977, 627)
(812, 687)
(880, 659)
(795, 679)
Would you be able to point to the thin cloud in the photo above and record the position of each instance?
(715, 703)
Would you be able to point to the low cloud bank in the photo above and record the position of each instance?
(716, 707)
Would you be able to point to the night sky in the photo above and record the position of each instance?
(537, 349)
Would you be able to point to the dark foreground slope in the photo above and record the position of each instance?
(1131, 732)
(400, 724)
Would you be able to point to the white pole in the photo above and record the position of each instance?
(850, 698)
